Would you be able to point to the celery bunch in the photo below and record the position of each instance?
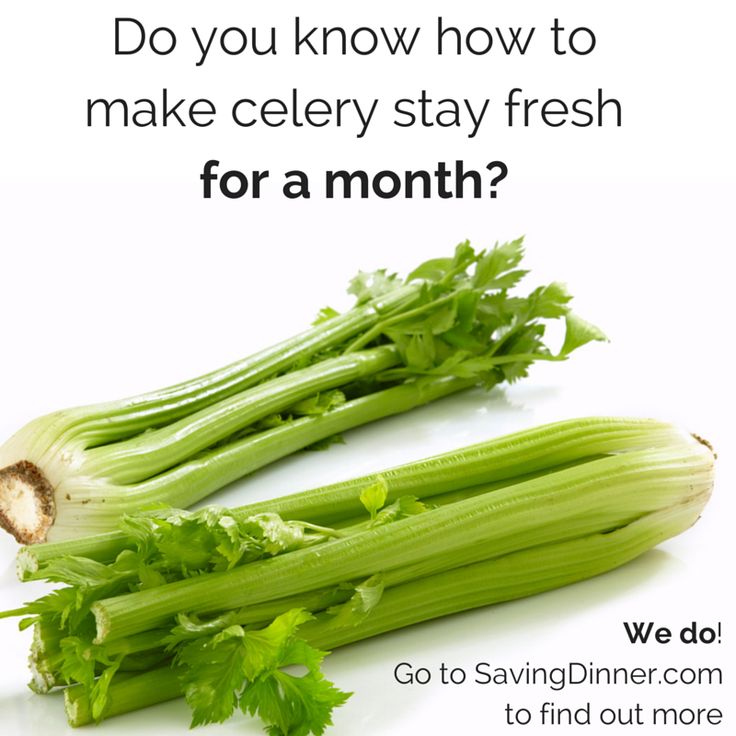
(216, 604)
(453, 323)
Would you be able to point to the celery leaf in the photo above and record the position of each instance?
(367, 286)
(245, 668)
(373, 496)
(366, 597)
(578, 332)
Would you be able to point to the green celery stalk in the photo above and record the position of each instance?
(611, 491)
(189, 482)
(517, 575)
(128, 692)
(453, 319)
(111, 421)
(143, 456)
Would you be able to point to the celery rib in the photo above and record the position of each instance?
(502, 521)
(89, 510)
(75, 471)
(115, 420)
(517, 575)
(143, 456)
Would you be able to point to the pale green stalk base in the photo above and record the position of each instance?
(93, 509)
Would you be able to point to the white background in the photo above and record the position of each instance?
(117, 277)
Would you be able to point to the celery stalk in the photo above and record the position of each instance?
(197, 478)
(517, 575)
(610, 491)
(451, 324)
(502, 520)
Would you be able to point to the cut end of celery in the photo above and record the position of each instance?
(42, 679)
(102, 622)
(27, 506)
(76, 707)
(26, 564)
